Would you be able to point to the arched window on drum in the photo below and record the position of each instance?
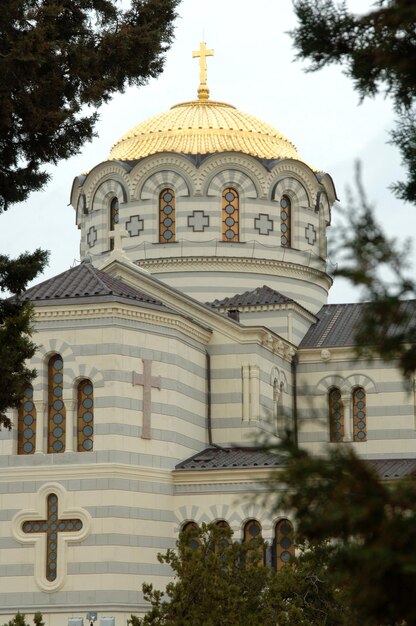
(113, 218)
(336, 415)
(56, 407)
(167, 216)
(26, 423)
(359, 414)
(230, 215)
(284, 548)
(85, 423)
(285, 222)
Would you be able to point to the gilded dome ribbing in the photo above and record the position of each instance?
(203, 127)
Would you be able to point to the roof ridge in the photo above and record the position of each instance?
(94, 271)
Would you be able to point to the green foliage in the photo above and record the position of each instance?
(16, 328)
(222, 583)
(370, 527)
(378, 51)
(57, 57)
(20, 620)
(377, 264)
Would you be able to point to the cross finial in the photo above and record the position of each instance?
(203, 53)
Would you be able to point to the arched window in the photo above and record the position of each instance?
(113, 218)
(230, 215)
(114, 213)
(359, 414)
(336, 415)
(194, 541)
(167, 216)
(85, 424)
(284, 549)
(252, 531)
(26, 423)
(56, 407)
(225, 541)
(285, 222)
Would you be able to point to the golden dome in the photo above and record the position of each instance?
(203, 127)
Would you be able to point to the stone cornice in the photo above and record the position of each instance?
(67, 312)
(236, 264)
(71, 472)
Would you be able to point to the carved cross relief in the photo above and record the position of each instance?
(51, 528)
(147, 381)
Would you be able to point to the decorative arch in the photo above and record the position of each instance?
(108, 190)
(243, 163)
(180, 166)
(292, 189)
(44, 352)
(361, 380)
(234, 178)
(300, 180)
(334, 380)
(164, 179)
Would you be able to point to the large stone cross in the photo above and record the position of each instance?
(51, 526)
(147, 381)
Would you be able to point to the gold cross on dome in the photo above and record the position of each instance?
(203, 53)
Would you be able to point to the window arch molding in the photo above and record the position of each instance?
(238, 177)
(155, 182)
(106, 190)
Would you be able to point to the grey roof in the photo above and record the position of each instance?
(86, 281)
(231, 458)
(214, 458)
(394, 469)
(260, 295)
(337, 323)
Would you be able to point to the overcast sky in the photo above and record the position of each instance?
(254, 69)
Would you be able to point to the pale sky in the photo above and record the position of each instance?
(254, 69)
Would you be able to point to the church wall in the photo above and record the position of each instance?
(242, 389)
(108, 350)
(390, 407)
(132, 520)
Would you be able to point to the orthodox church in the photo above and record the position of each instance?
(196, 320)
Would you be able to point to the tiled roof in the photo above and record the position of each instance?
(261, 295)
(251, 458)
(86, 281)
(229, 458)
(393, 469)
(337, 323)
